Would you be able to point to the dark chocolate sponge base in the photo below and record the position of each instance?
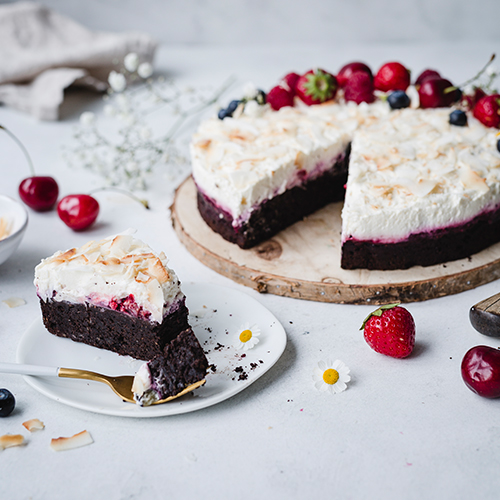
(112, 330)
(425, 249)
(279, 212)
(183, 363)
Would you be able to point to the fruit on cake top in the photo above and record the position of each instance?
(119, 272)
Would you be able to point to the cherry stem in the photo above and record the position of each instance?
(21, 145)
(470, 80)
(144, 203)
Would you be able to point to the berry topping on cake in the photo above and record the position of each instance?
(390, 330)
(398, 99)
(427, 74)
(438, 93)
(359, 88)
(487, 110)
(349, 69)
(469, 100)
(498, 145)
(316, 86)
(481, 371)
(458, 118)
(225, 112)
(392, 76)
(279, 97)
(289, 82)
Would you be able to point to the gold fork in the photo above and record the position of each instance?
(121, 385)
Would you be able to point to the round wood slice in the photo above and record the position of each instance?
(303, 261)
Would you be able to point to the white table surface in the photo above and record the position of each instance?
(403, 428)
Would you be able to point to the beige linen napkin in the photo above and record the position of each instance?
(43, 52)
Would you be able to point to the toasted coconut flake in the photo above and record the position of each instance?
(10, 440)
(65, 256)
(158, 271)
(34, 425)
(14, 302)
(4, 228)
(69, 443)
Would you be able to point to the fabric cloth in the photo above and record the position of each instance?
(42, 53)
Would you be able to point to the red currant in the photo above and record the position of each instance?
(39, 192)
(78, 211)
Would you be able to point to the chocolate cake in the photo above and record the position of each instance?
(117, 294)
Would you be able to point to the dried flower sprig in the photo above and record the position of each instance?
(126, 150)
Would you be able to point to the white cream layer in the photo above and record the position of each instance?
(240, 162)
(110, 269)
(413, 172)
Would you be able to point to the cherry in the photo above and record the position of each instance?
(349, 69)
(481, 371)
(38, 192)
(289, 81)
(438, 93)
(427, 74)
(78, 211)
(392, 76)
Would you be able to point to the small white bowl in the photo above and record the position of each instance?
(15, 216)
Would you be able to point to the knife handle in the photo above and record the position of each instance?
(485, 316)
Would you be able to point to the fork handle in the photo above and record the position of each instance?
(21, 369)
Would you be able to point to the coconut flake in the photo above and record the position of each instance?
(14, 302)
(10, 440)
(69, 443)
(34, 425)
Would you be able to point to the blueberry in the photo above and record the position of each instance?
(7, 402)
(232, 107)
(458, 118)
(398, 99)
(498, 145)
(222, 113)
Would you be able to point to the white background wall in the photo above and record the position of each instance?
(290, 21)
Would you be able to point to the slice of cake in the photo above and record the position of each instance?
(117, 294)
(420, 191)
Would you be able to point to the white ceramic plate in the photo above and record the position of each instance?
(216, 314)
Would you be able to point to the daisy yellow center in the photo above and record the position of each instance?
(330, 376)
(245, 336)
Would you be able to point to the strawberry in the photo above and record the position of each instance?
(487, 110)
(289, 82)
(279, 97)
(349, 69)
(392, 76)
(316, 86)
(390, 330)
(359, 88)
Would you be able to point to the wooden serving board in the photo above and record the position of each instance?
(303, 261)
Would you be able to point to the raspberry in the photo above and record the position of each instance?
(279, 97)
(359, 88)
(487, 110)
(392, 76)
(349, 69)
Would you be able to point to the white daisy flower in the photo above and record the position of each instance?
(145, 70)
(117, 81)
(246, 338)
(331, 377)
(131, 62)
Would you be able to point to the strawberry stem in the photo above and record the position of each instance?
(23, 149)
(379, 312)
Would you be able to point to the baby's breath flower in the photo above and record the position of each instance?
(145, 70)
(87, 118)
(109, 110)
(117, 81)
(131, 62)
